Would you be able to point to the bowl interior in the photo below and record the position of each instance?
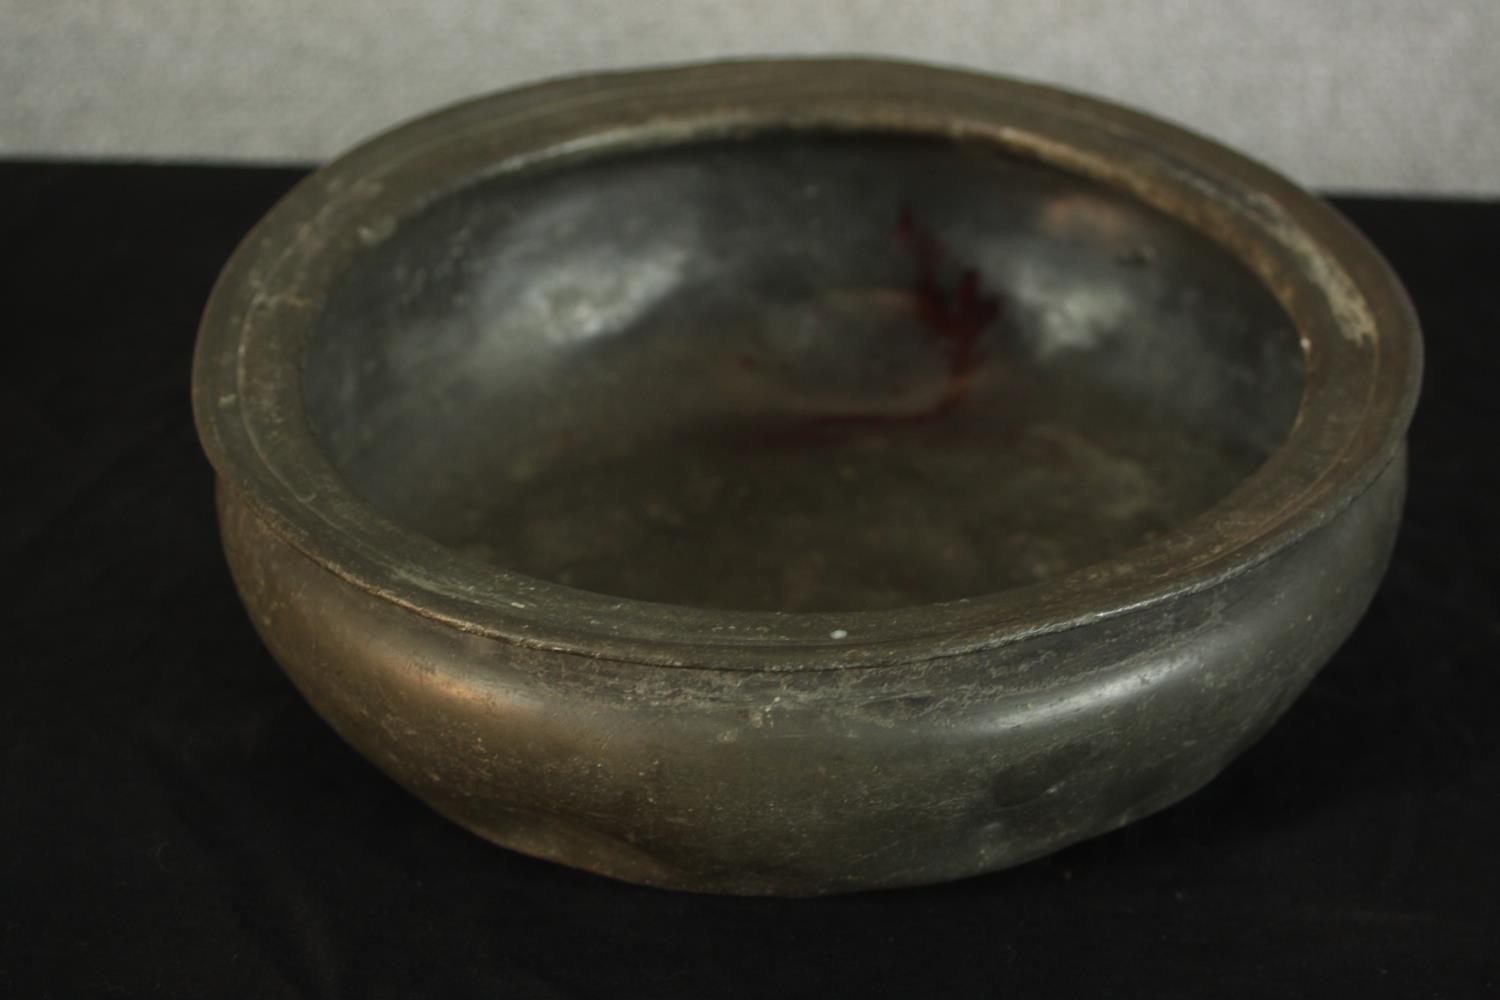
(797, 372)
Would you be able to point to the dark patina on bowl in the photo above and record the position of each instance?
(800, 477)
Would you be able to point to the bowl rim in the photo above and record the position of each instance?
(1360, 339)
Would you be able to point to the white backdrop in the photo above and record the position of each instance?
(1373, 95)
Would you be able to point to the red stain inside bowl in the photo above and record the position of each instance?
(953, 316)
(957, 318)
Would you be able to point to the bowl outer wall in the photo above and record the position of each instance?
(808, 783)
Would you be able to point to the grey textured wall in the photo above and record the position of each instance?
(1385, 95)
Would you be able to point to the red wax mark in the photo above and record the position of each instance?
(954, 317)
(957, 318)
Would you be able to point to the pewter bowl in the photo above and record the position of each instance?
(801, 477)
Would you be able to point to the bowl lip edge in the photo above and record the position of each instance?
(575, 621)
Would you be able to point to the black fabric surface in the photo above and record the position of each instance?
(176, 821)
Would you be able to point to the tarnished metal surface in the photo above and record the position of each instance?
(802, 477)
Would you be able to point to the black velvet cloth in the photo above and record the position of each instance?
(177, 822)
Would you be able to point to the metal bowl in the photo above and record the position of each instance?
(801, 477)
